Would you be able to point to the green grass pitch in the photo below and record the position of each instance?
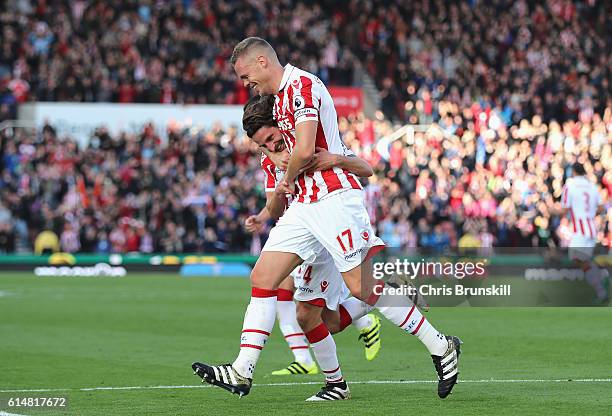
(143, 331)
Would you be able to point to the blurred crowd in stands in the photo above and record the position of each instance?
(468, 180)
(517, 91)
(547, 57)
(129, 193)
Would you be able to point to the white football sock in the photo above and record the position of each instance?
(287, 321)
(402, 312)
(258, 323)
(324, 348)
(354, 311)
(363, 322)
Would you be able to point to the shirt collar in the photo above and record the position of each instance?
(286, 73)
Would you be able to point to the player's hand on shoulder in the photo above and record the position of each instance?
(280, 159)
(283, 160)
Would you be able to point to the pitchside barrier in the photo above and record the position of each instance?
(175, 261)
(188, 264)
(506, 261)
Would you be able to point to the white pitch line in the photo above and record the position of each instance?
(483, 381)
(9, 414)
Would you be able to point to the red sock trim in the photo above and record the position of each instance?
(338, 380)
(284, 295)
(373, 298)
(263, 293)
(297, 334)
(331, 371)
(317, 334)
(345, 317)
(257, 347)
(407, 316)
(300, 347)
(258, 331)
(418, 326)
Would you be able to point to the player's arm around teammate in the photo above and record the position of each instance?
(323, 160)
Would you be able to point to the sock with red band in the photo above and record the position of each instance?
(324, 348)
(402, 312)
(354, 311)
(258, 323)
(287, 321)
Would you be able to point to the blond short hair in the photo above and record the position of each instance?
(248, 44)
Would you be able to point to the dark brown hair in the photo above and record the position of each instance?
(258, 114)
(579, 169)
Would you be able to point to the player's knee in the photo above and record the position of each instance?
(331, 319)
(303, 321)
(356, 283)
(308, 316)
(356, 289)
(302, 315)
(261, 279)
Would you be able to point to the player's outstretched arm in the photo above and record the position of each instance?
(323, 160)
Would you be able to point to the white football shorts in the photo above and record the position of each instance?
(581, 247)
(339, 222)
(319, 283)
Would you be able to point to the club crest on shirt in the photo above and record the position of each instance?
(365, 235)
(297, 84)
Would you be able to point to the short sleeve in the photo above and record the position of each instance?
(306, 100)
(269, 173)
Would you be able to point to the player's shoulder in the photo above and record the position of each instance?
(300, 79)
(299, 73)
(266, 162)
(582, 181)
(570, 183)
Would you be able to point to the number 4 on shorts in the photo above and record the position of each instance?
(308, 274)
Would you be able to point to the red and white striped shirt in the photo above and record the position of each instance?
(303, 97)
(582, 198)
(272, 175)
